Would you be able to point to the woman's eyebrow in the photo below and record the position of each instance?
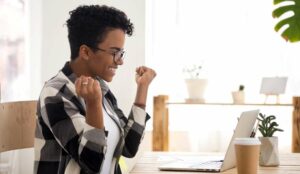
(116, 48)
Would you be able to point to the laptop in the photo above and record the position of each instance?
(244, 128)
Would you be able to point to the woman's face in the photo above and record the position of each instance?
(101, 63)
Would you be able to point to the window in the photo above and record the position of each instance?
(14, 69)
(233, 40)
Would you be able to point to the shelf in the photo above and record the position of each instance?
(160, 139)
(229, 104)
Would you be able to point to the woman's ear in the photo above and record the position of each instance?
(84, 52)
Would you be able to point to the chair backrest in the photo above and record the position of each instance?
(17, 125)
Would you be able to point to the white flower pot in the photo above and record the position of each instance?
(196, 89)
(269, 155)
(238, 97)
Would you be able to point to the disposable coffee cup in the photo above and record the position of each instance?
(247, 155)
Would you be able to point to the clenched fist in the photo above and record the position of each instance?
(144, 75)
(89, 89)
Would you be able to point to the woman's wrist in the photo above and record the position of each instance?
(141, 105)
(141, 96)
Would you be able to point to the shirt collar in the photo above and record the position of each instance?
(103, 85)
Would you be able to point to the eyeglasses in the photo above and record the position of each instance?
(118, 56)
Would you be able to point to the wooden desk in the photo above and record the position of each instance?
(289, 164)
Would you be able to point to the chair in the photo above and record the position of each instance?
(17, 127)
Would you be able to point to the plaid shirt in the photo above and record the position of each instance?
(64, 141)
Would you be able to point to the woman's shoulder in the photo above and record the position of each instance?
(58, 85)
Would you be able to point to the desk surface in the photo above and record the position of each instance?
(289, 164)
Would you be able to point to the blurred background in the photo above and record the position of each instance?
(233, 41)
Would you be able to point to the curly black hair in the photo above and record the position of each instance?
(89, 24)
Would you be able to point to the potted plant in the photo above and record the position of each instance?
(195, 85)
(269, 143)
(239, 96)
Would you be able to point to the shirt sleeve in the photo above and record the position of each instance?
(134, 130)
(86, 144)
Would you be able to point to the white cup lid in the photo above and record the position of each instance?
(247, 141)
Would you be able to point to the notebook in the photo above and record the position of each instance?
(243, 128)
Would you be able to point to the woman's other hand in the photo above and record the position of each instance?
(144, 75)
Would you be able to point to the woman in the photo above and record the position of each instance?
(80, 127)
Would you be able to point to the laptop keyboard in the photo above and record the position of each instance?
(204, 166)
(208, 165)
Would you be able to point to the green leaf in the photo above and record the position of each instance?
(260, 119)
(271, 133)
(282, 10)
(280, 130)
(261, 127)
(262, 132)
(267, 125)
(292, 32)
(272, 117)
(261, 116)
(274, 124)
(279, 1)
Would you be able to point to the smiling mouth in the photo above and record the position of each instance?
(113, 70)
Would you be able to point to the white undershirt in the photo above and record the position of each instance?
(112, 141)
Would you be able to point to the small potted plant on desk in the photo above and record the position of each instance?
(269, 143)
(239, 96)
(195, 85)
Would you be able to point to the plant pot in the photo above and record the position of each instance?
(238, 97)
(269, 151)
(196, 89)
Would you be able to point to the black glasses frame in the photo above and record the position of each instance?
(118, 56)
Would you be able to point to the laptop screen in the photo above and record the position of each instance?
(243, 128)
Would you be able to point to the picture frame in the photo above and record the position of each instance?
(273, 85)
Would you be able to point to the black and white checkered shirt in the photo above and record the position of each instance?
(64, 142)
